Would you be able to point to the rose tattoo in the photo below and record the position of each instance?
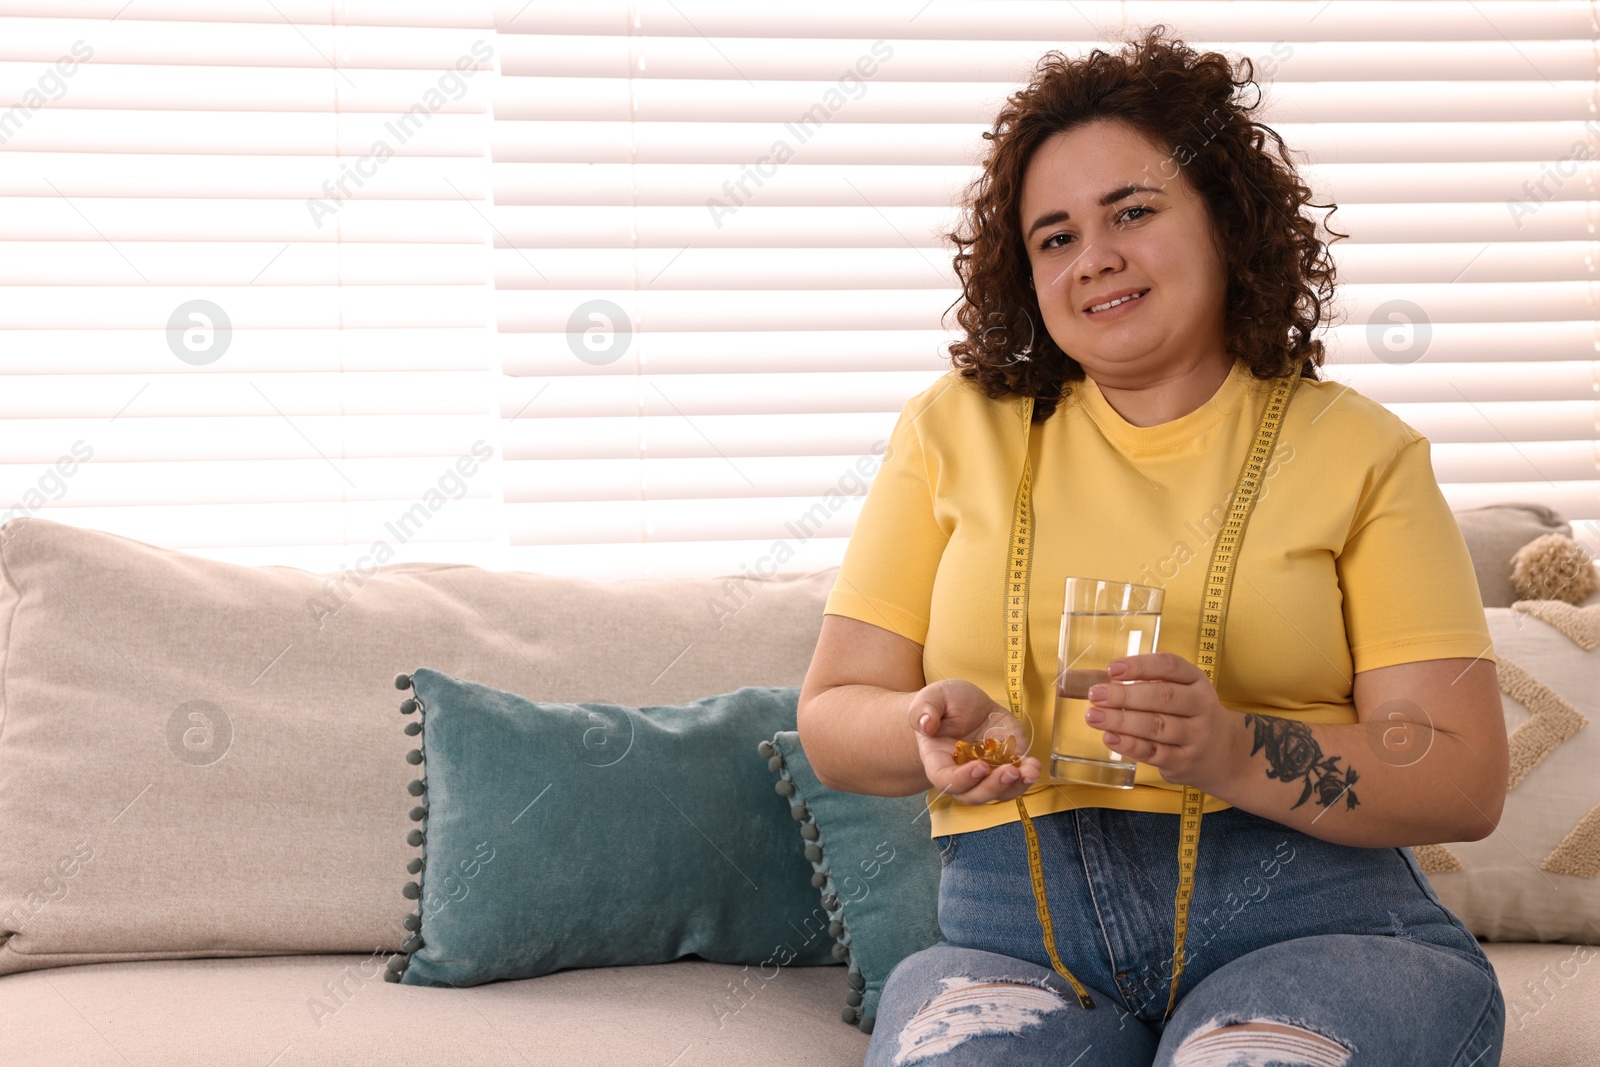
(1293, 753)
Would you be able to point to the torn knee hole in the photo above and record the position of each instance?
(967, 1007)
(1258, 1043)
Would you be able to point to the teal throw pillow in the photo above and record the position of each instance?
(876, 865)
(556, 835)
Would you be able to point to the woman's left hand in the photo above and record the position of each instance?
(1171, 719)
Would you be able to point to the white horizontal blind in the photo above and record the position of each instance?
(244, 250)
(780, 282)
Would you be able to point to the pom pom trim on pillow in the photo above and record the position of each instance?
(1553, 567)
(417, 838)
(822, 877)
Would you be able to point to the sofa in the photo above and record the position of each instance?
(203, 816)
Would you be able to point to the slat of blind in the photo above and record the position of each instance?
(433, 442)
(427, 14)
(852, 140)
(213, 530)
(749, 393)
(980, 59)
(1566, 498)
(556, 436)
(1025, 20)
(1502, 461)
(1460, 342)
(704, 309)
(583, 523)
(315, 171)
(550, 355)
(77, 216)
(755, 225)
(909, 268)
(239, 176)
(607, 522)
(1548, 420)
(262, 41)
(381, 392)
(96, 263)
(168, 88)
(757, 390)
(286, 132)
(890, 101)
(713, 477)
(810, 183)
(758, 556)
(555, 479)
(1437, 382)
(99, 351)
(763, 305)
(255, 481)
(738, 437)
(352, 307)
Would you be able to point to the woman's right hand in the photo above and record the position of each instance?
(953, 709)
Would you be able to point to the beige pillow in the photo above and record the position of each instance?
(1537, 877)
(204, 759)
(1494, 533)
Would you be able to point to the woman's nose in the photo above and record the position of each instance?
(1098, 255)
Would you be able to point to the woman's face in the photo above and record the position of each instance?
(1104, 239)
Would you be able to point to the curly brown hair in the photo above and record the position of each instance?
(1280, 276)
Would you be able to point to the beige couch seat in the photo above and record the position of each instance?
(273, 1010)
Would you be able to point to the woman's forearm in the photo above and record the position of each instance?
(859, 740)
(1326, 780)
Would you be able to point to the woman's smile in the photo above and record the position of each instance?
(1120, 306)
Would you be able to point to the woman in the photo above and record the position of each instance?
(1355, 709)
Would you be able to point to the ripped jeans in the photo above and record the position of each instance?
(1333, 955)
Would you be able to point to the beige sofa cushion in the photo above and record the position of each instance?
(204, 759)
(337, 1011)
(1537, 877)
(1552, 994)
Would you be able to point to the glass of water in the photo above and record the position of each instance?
(1101, 620)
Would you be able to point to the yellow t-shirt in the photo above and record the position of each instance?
(1351, 560)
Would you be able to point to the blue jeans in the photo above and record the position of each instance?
(1344, 954)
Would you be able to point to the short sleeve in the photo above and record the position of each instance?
(1410, 592)
(886, 575)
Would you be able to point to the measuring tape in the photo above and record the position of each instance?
(1213, 610)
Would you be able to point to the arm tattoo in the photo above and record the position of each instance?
(1293, 753)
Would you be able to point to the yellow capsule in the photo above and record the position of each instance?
(990, 750)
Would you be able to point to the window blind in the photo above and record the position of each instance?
(248, 298)
(715, 272)
(718, 275)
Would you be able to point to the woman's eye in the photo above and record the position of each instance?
(1046, 243)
